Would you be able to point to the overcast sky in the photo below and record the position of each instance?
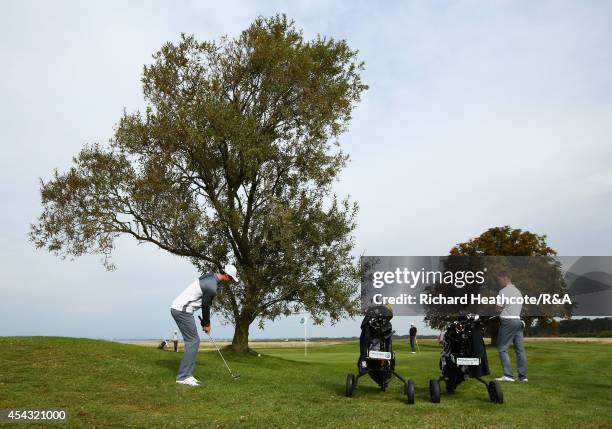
(479, 114)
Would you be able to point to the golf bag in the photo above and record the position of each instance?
(464, 356)
(376, 355)
(463, 339)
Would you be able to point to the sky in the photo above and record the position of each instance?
(479, 114)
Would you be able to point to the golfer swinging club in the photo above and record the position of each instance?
(198, 294)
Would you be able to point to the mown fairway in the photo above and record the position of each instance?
(107, 384)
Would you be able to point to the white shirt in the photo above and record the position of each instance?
(510, 311)
(198, 294)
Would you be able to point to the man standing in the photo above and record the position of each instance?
(413, 334)
(175, 341)
(511, 329)
(198, 294)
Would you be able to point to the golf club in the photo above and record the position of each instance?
(417, 343)
(234, 376)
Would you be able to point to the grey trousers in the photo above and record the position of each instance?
(511, 331)
(187, 326)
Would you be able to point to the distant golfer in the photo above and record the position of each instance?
(510, 330)
(198, 294)
(413, 334)
(175, 341)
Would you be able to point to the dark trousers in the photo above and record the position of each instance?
(412, 340)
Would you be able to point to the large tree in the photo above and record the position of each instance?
(532, 275)
(232, 161)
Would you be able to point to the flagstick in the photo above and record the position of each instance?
(305, 337)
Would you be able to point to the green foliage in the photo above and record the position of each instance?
(504, 241)
(584, 327)
(531, 265)
(233, 159)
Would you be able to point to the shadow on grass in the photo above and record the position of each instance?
(171, 365)
(457, 395)
(365, 386)
(366, 389)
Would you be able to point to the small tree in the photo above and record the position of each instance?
(233, 160)
(506, 241)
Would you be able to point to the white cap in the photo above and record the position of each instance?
(231, 271)
(412, 324)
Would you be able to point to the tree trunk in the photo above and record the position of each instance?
(240, 342)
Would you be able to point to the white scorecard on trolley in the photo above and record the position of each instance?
(375, 354)
(468, 361)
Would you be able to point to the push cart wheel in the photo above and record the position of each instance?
(434, 391)
(495, 392)
(350, 385)
(409, 389)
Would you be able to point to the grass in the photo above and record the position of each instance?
(107, 384)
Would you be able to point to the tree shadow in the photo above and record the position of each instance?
(170, 365)
(339, 387)
(367, 389)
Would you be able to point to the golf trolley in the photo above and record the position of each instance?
(464, 356)
(376, 357)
